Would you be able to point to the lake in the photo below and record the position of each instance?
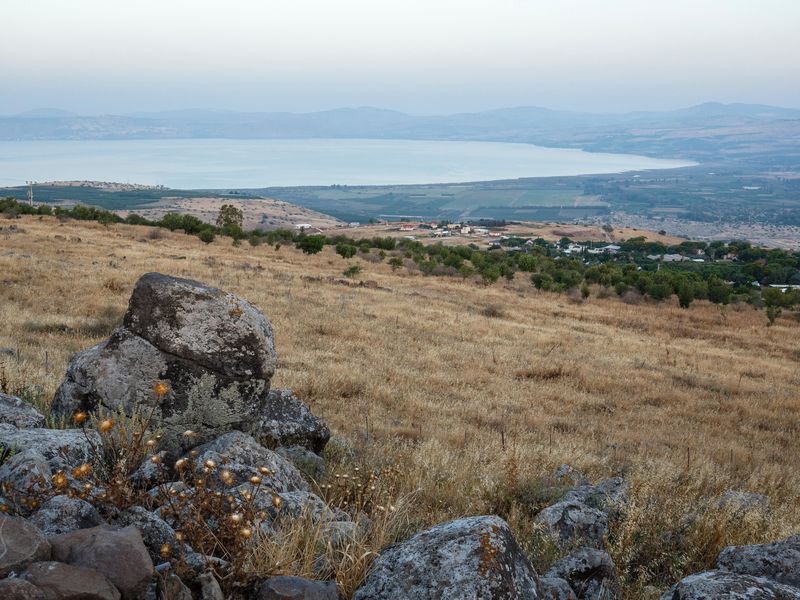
(228, 163)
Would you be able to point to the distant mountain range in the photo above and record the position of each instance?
(707, 132)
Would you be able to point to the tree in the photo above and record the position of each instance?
(395, 262)
(206, 236)
(311, 244)
(685, 294)
(346, 250)
(229, 217)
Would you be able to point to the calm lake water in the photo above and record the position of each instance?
(209, 164)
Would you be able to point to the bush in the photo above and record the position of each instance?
(311, 244)
(206, 236)
(352, 271)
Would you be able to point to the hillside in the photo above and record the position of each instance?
(475, 394)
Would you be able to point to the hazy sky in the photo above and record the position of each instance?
(420, 56)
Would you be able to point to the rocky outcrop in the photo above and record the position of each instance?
(200, 358)
(62, 514)
(590, 573)
(475, 557)
(19, 413)
(719, 585)
(286, 421)
(296, 588)
(778, 561)
(20, 545)
(570, 522)
(119, 554)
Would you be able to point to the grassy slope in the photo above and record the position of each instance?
(421, 376)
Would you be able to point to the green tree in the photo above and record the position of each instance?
(311, 244)
(346, 250)
(206, 236)
(230, 216)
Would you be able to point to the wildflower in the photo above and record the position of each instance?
(59, 480)
(277, 501)
(161, 389)
(255, 480)
(79, 417)
(155, 459)
(210, 464)
(150, 443)
(246, 532)
(226, 476)
(165, 550)
(180, 463)
(189, 433)
(106, 426)
(236, 517)
(264, 471)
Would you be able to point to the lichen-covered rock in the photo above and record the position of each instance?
(202, 324)
(286, 421)
(294, 504)
(70, 582)
(609, 496)
(62, 514)
(243, 457)
(569, 522)
(198, 358)
(63, 449)
(553, 588)
(26, 472)
(296, 588)
(466, 559)
(21, 544)
(15, 588)
(309, 464)
(118, 554)
(19, 413)
(718, 585)
(778, 561)
(172, 588)
(590, 573)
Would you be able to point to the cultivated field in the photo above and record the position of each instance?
(476, 394)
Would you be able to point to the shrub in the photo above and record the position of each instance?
(206, 236)
(352, 271)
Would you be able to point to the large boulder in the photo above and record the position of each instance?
(199, 358)
(69, 582)
(20, 545)
(572, 522)
(157, 535)
(26, 472)
(296, 588)
(62, 514)
(778, 561)
(719, 585)
(472, 558)
(287, 421)
(590, 573)
(120, 555)
(19, 413)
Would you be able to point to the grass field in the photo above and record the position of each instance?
(475, 393)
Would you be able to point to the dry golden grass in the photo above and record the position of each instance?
(475, 404)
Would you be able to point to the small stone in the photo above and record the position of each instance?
(209, 587)
(62, 514)
(590, 573)
(69, 582)
(296, 588)
(568, 522)
(309, 464)
(287, 421)
(15, 588)
(22, 544)
(19, 413)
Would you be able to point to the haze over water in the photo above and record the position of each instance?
(227, 163)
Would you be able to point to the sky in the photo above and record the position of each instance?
(417, 56)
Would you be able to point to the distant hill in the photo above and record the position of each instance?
(764, 135)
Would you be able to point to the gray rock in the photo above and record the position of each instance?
(15, 588)
(556, 589)
(119, 554)
(567, 475)
(309, 464)
(293, 504)
(69, 582)
(244, 458)
(149, 474)
(609, 496)
(62, 514)
(26, 472)
(198, 563)
(209, 588)
(286, 421)
(22, 544)
(296, 588)
(590, 573)
(202, 324)
(19, 413)
(155, 532)
(475, 557)
(570, 522)
(743, 501)
(213, 352)
(63, 449)
(717, 585)
(172, 588)
(778, 561)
